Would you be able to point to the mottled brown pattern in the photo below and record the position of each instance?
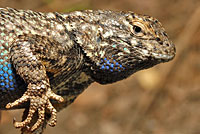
(56, 56)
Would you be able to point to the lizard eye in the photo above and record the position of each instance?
(137, 29)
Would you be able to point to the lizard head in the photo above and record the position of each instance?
(122, 43)
(149, 38)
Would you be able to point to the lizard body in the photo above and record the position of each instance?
(48, 59)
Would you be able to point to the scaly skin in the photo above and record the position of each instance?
(48, 59)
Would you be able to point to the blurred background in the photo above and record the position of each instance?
(161, 100)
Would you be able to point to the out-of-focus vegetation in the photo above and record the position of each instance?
(161, 100)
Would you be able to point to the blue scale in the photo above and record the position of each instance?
(7, 77)
(110, 65)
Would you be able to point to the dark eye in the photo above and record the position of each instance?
(137, 29)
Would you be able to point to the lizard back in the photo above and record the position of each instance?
(15, 23)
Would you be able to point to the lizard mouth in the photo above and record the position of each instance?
(164, 57)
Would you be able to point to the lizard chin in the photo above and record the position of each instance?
(163, 57)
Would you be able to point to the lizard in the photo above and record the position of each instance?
(48, 59)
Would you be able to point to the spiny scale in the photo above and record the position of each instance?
(48, 59)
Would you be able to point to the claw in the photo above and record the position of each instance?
(28, 128)
(8, 105)
(14, 120)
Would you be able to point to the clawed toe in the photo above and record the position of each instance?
(53, 120)
(19, 101)
(37, 104)
(26, 121)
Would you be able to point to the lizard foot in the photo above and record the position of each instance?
(39, 104)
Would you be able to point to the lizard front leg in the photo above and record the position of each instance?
(29, 66)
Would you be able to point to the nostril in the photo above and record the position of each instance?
(157, 39)
(166, 51)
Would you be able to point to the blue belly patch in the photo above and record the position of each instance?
(7, 76)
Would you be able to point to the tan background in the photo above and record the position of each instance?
(161, 100)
